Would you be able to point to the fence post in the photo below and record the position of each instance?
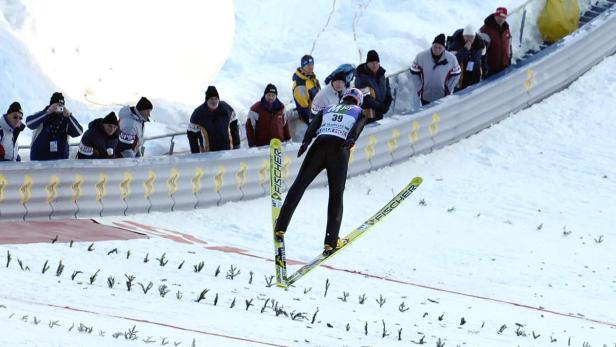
(522, 26)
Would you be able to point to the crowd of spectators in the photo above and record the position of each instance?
(449, 65)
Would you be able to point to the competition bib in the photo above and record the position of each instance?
(338, 120)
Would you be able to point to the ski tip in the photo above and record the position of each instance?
(416, 181)
(275, 142)
(282, 285)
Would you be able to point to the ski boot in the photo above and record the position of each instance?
(329, 250)
(279, 235)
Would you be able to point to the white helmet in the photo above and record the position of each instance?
(355, 94)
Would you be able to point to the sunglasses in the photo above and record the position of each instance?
(16, 117)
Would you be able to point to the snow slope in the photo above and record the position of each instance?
(508, 242)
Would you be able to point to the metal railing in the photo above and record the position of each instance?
(146, 139)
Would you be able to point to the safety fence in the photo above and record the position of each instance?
(73, 189)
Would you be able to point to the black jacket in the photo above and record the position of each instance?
(96, 144)
(382, 100)
(213, 130)
(473, 62)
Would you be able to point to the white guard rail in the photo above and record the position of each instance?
(73, 189)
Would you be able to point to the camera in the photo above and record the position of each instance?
(60, 109)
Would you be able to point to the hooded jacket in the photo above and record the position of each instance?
(266, 122)
(96, 144)
(305, 88)
(499, 50)
(51, 132)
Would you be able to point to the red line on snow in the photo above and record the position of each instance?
(536, 308)
(146, 322)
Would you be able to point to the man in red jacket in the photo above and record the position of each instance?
(499, 50)
(266, 119)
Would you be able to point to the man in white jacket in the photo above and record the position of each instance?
(435, 72)
(132, 122)
(10, 126)
(330, 95)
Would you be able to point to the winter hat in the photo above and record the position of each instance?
(270, 89)
(372, 56)
(15, 107)
(56, 98)
(111, 119)
(440, 39)
(469, 30)
(501, 12)
(340, 76)
(307, 59)
(144, 104)
(211, 92)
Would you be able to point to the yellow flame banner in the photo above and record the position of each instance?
(436, 118)
(76, 188)
(414, 135)
(530, 80)
(219, 179)
(148, 185)
(25, 190)
(3, 184)
(285, 167)
(392, 144)
(52, 189)
(370, 151)
(264, 174)
(172, 182)
(101, 187)
(241, 175)
(125, 185)
(196, 180)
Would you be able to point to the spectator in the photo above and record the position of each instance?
(52, 126)
(470, 50)
(305, 87)
(499, 50)
(371, 80)
(347, 69)
(435, 72)
(100, 140)
(10, 127)
(330, 95)
(267, 120)
(132, 124)
(213, 125)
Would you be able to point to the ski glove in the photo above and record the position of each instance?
(302, 149)
(348, 144)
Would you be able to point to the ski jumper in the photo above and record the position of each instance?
(332, 127)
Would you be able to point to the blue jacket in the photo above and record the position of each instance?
(473, 62)
(382, 100)
(50, 137)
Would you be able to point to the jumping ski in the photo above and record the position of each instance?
(356, 233)
(280, 259)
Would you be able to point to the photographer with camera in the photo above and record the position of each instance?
(52, 126)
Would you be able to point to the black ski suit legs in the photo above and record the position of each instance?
(326, 153)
